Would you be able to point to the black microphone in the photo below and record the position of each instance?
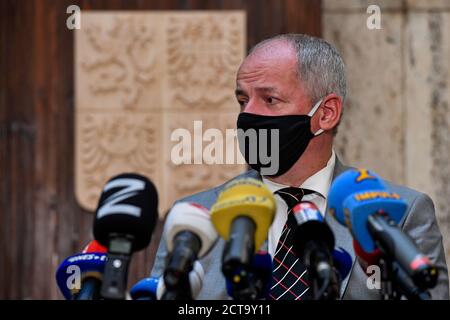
(314, 243)
(124, 222)
(397, 245)
(400, 278)
(406, 285)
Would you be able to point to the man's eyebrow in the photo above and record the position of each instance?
(267, 89)
(238, 91)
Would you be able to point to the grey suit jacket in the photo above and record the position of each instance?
(419, 222)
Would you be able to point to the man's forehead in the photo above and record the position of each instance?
(276, 52)
(271, 58)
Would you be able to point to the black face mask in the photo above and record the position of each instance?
(276, 142)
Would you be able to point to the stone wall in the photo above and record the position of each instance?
(397, 116)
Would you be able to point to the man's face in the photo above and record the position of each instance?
(267, 82)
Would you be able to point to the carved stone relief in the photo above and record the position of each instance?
(139, 77)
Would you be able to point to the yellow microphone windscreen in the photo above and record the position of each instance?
(244, 197)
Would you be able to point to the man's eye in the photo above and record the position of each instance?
(271, 100)
(242, 102)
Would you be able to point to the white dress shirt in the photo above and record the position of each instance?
(319, 182)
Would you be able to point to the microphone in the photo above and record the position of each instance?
(195, 283)
(347, 183)
(258, 281)
(342, 261)
(400, 278)
(94, 246)
(79, 276)
(124, 222)
(367, 258)
(372, 216)
(145, 289)
(189, 235)
(402, 249)
(242, 216)
(313, 243)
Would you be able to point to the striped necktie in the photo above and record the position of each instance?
(289, 275)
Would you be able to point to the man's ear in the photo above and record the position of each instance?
(330, 112)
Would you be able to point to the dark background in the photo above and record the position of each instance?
(40, 220)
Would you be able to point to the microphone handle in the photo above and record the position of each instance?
(317, 258)
(248, 289)
(401, 248)
(240, 246)
(407, 286)
(90, 289)
(115, 277)
(186, 248)
(181, 291)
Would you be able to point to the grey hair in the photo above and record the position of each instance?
(320, 67)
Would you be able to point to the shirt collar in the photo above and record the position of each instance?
(319, 182)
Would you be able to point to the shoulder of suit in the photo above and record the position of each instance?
(407, 194)
(208, 197)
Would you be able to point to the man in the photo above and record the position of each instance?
(296, 84)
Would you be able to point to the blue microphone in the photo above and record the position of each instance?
(258, 282)
(350, 182)
(342, 261)
(360, 200)
(145, 289)
(79, 276)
